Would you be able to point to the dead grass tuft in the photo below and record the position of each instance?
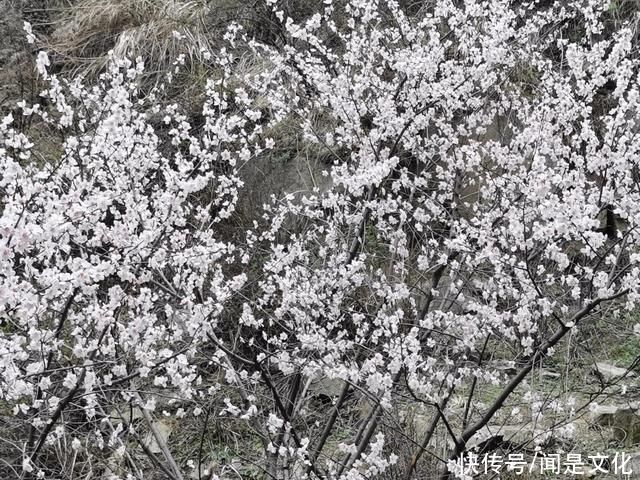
(157, 30)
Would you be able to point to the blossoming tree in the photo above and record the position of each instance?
(480, 195)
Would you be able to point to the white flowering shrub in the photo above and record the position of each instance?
(482, 194)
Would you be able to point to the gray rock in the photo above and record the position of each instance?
(605, 414)
(634, 464)
(624, 418)
(608, 372)
(164, 430)
(515, 434)
(549, 375)
(330, 387)
(505, 366)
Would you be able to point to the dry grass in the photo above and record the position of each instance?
(156, 30)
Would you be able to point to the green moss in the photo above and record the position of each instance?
(626, 351)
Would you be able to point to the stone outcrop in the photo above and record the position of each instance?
(624, 419)
(608, 372)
